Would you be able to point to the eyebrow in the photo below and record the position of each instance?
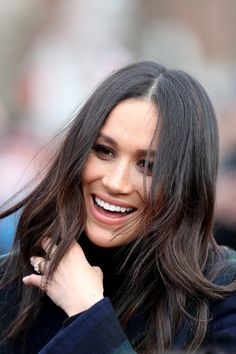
(107, 139)
(141, 152)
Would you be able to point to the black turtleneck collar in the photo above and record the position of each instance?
(109, 260)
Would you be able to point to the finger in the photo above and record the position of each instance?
(35, 280)
(75, 245)
(47, 246)
(99, 271)
(39, 264)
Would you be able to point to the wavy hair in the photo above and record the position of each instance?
(172, 263)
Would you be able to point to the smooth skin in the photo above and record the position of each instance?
(115, 168)
(114, 172)
(74, 293)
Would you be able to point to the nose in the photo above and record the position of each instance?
(117, 180)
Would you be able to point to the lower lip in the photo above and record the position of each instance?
(107, 219)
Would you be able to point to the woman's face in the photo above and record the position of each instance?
(112, 180)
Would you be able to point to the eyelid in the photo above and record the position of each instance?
(102, 146)
(106, 150)
(145, 168)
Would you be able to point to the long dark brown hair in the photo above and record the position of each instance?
(174, 258)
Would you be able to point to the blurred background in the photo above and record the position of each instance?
(54, 52)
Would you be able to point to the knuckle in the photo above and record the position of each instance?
(98, 270)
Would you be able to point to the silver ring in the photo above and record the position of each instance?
(37, 267)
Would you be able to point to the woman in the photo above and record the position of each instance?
(119, 231)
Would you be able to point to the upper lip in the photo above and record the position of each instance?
(110, 200)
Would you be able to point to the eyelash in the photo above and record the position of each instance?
(148, 169)
(105, 152)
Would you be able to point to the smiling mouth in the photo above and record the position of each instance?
(111, 209)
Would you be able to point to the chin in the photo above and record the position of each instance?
(104, 238)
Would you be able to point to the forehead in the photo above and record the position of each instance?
(132, 120)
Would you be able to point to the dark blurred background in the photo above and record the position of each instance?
(54, 52)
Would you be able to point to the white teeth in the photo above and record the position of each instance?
(111, 207)
(106, 206)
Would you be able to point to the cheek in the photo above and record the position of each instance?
(90, 171)
(148, 184)
(144, 185)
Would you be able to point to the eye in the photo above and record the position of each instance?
(103, 151)
(146, 166)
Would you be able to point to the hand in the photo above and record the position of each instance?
(75, 285)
